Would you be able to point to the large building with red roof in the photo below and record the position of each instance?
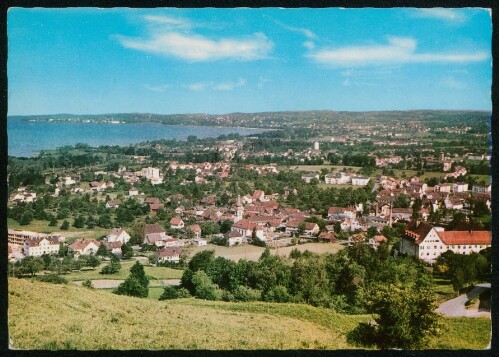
(427, 242)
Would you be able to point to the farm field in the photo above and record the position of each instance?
(251, 252)
(71, 234)
(92, 321)
(155, 273)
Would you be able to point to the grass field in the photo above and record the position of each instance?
(251, 252)
(71, 234)
(87, 319)
(155, 273)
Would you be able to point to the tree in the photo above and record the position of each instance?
(169, 293)
(102, 251)
(132, 287)
(88, 284)
(404, 318)
(126, 251)
(65, 225)
(79, 222)
(26, 218)
(112, 267)
(137, 271)
(53, 221)
(204, 288)
(30, 265)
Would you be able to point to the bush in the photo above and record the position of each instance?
(52, 278)
(204, 287)
(278, 294)
(88, 284)
(169, 293)
(243, 293)
(112, 267)
(132, 287)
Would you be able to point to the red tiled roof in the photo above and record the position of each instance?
(83, 243)
(169, 252)
(176, 221)
(418, 231)
(466, 237)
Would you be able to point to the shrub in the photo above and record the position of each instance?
(132, 287)
(169, 293)
(88, 284)
(204, 287)
(52, 278)
(243, 293)
(278, 294)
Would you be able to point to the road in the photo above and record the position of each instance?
(456, 307)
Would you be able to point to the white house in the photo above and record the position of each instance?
(427, 242)
(169, 254)
(235, 238)
(337, 179)
(460, 187)
(360, 180)
(177, 223)
(118, 235)
(309, 177)
(199, 242)
(37, 246)
(84, 246)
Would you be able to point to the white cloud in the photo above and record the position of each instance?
(171, 22)
(223, 86)
(304, 31)
(198, 86)
(441, 14)
(230, 85)
(399, 50)
(451, 82)
(171, 38)
(158, 88)
(309, 44)
(346, 82)
(198, 48)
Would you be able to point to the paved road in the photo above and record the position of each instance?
(109, 284)
(456, 307)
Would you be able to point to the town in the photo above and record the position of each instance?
(84, 214)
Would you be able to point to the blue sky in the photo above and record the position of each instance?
(94, 61)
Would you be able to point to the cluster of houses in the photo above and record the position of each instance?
(23, 195)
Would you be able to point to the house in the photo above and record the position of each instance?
(118, 235)
(170, 254)
(114, 247)
(401, 214)
(246, 228)
(427, 242)
(177, 223)
(311, 228)
(309, 177)
(360, 180)
(154, 207)
(37, 246)
(356, 239)
(133, 192)
(199, 242)
(235, 238)
(376, 241)
(327, 237)
(341, 212)
(459, 187)
(113, 204)
(337, 179)
(480, 189)
(84, 246)
(153, 234)
(443, 187)
(196, 229)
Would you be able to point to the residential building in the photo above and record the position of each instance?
(170, 254)
(37, 246)
(360, 180)
(177, 223)
(84, 246)
(309, 177)
(118, 235)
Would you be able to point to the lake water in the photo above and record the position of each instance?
(27, 138)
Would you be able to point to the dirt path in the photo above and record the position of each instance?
(456, 307)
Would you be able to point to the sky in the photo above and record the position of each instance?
(169, 61)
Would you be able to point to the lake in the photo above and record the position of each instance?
(27, 138)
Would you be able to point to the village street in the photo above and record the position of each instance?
(456, 307)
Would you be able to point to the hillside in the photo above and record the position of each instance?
(44, 316)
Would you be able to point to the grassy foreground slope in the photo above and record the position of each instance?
(46, 316)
